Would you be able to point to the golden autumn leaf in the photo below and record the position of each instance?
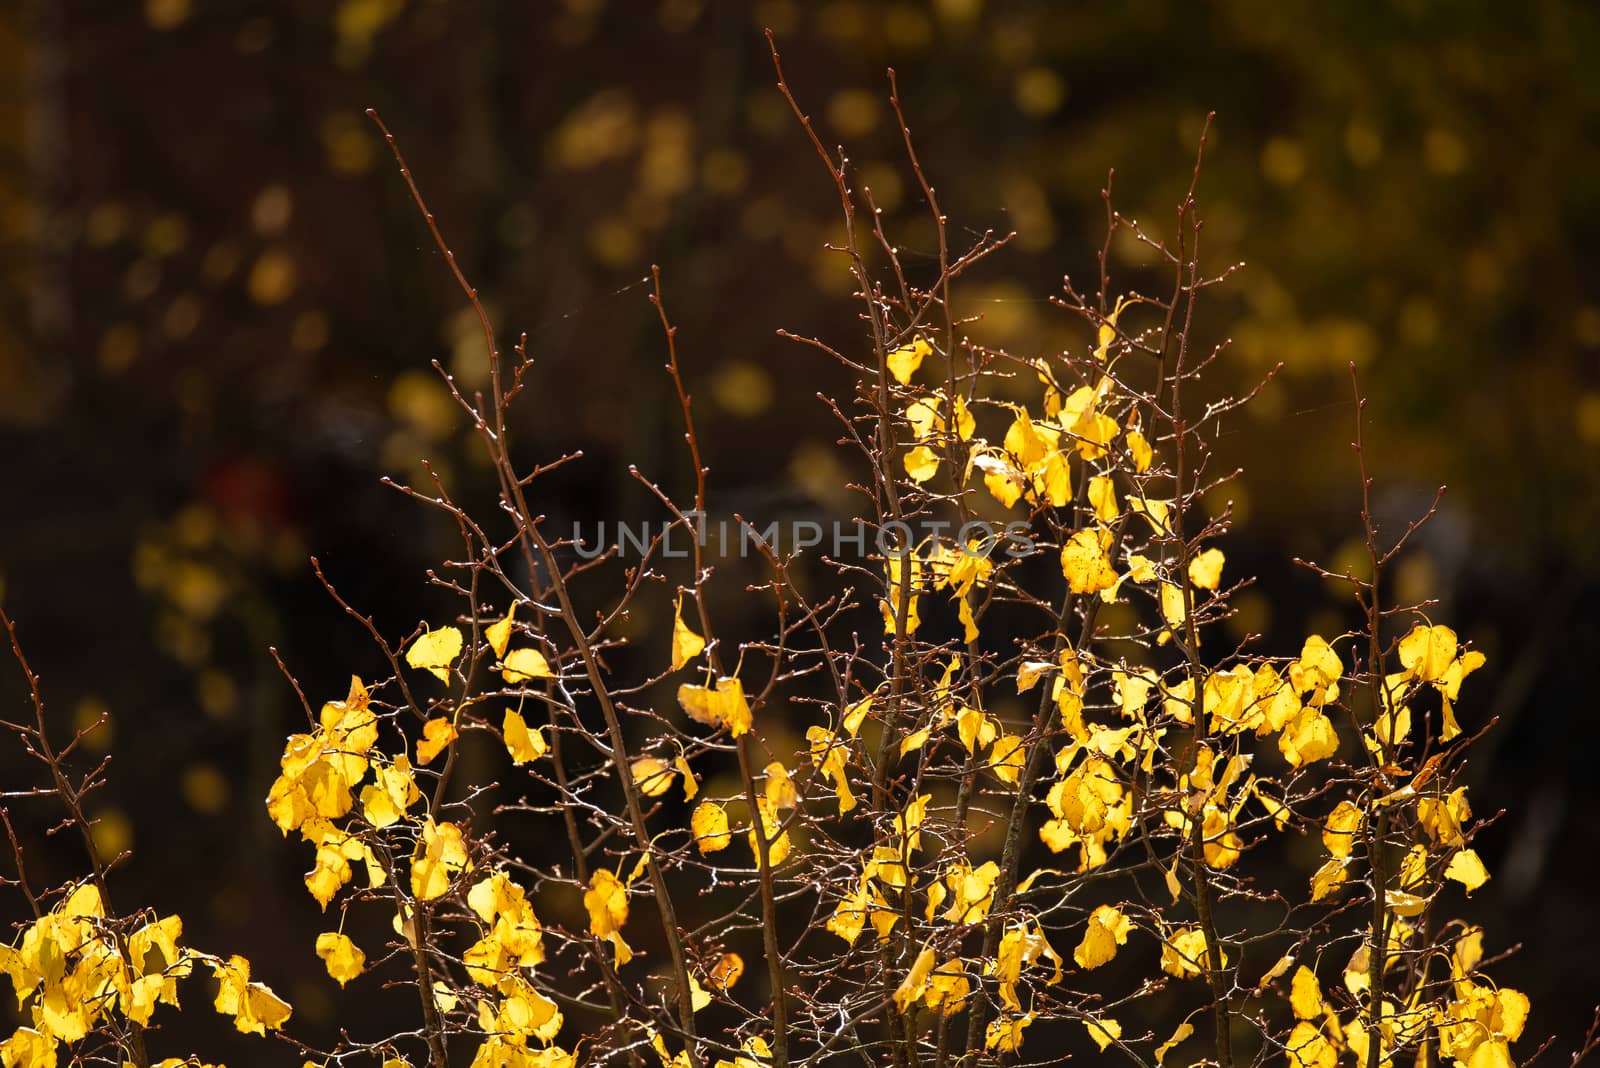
(437, 733)
(435, 651)
(441, 855)
(1327, 879)
(1139, 448)
(607, 903)
(1308, 1047)
(521, 665)
(769, 823)
(1185, 954)
(1341, 827)
(1107, 929)
(710, 826)
(1004, 1035)
(1308, 737)
(856, 714)
(721, 706)
(1205, 569)
(904, 361)
(828, 754)
(522, 743)
(498, 634)
(726, 971)
(1466, 869)
(691, 785)
(1305, 995)
(915, 740)
(343, 957)
(915, 984)
(1184, 1030)
(1084, 563)
(1104, 1030)
(652, 775)
(384, 803)
(1006, 758)
(253, 1006)
(1426, 652)
(686, 644)
(921, 463)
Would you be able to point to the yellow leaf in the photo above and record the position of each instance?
(856, 714)
(1004, 1035)
(904, 361)
(27, 1048)
(975, 729)
(1426, 652)
(780, 792)
(499, 634)
(850, 915)
(1029, 671)
(691, 785)
(923, 415)
(1106, 334)
(1403, 903)
(1174, 605)
(969, 623)
(1107, 929)
(253, 1006)
(1459, 669)
(1103, 499)
(607, 903)
(1006, 759)
(908, 823)
(435, 651)
(1327, 879)
(1184, 1030)
(1084, 563)
(1444, 817)
(1305, 995)
(1309, 1048)
(440, 856)
(1184, 954)
(699, 997)
(1309, 737)
(1104, 1031)
(1339, 832)
(1318, 670)
(384, 803)
(436, 734)
(777, 839)
(914, 741)
(686, 644)
(922, 463)
(724, 706)
(342, 956)
(1140, 450)
(1003, 481)
(523, 744)
(710, 826)
(915, 984)
(1205, 570)
(948, 987)
(828, 755)
(1466, 869)
(524, 664)
(652, 776)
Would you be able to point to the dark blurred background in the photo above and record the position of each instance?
(218, 307)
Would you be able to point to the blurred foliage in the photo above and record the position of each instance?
(217, 312)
